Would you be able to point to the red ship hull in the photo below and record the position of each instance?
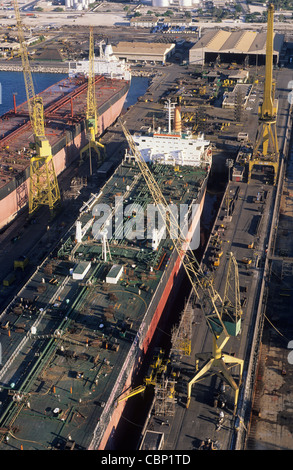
(14, 196)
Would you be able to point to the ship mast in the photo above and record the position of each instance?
(169, 106)
(174, 114)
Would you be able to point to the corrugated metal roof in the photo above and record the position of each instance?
(237, 41)
(232, 41)
(246, 40)
(141, 47)
(259, 42)
(218, 40)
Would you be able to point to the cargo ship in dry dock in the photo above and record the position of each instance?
(65, 110)
(74, 339)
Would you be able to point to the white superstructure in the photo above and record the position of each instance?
(106, 64)
(174, 147)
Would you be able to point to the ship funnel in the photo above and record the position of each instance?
(177, 120)
(108, 50)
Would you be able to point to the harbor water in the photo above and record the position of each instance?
(13, 83)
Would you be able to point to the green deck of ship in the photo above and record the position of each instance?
(59, 381)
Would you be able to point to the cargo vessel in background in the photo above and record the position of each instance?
(65, 112)
(85, 321)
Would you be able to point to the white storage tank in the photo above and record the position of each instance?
(185, 3)
(160, 3)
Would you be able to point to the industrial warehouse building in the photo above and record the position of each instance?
(236, 46)
(143, 52)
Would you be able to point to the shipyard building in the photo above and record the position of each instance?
(143, 52)
(235, 46)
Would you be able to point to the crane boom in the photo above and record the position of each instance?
(35, 103)
(266, 148)
(231, 300)
(43, 188)
(91, 95)
(267, 108)
(91, 111)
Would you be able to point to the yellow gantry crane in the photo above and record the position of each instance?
(220, 320)
(266, 150)
(230, 311)
(156, 369)
(91, 112)
(43, 187)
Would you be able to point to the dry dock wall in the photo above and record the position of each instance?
(246, 398)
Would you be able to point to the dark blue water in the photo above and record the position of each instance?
(137, 88)
(13, 82)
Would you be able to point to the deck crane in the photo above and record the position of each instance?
(219, 320)
(157, 368)
(91, 112)
(43, 187)
(266, 150)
